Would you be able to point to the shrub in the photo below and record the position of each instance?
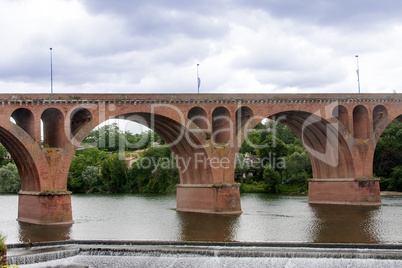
(2, 244)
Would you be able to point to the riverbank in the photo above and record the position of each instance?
(285, 189)
(390, 193)
(289, 189)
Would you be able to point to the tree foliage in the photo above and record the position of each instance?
(388, 157)
(282, 157)
(10, 181)
(114, 173)
(102, 169)
(3, 156)
(155, 172)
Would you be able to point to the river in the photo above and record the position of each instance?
(265, 218)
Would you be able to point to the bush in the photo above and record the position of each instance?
(114, 174)
(2, 243)
(155, 172)
(3, 251)
(272, 179)
(10, 181)
(396, 179)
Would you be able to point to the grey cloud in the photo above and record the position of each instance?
(165, 18)
(346, 13)
(129, 7)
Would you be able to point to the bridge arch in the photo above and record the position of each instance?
(382, 124)
(25, 119)
(190, 159)
(78, 118)
(329, 153)
(199, 117)
(221, 125)
(379, 113)
(341, 113)
(27, 169)
(53, 128)
(243, 115)
(361, 122)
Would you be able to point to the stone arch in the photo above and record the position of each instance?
(341, 113)
(243, 114)
(329, 153)
(78, 118)
(199, 117)
(379, 112)
(53, 128)
(26, 165)
(380, 127)
(24, 118)
(190, 154)
(221, 125)
(360, 122)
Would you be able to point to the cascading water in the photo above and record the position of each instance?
(179, 254)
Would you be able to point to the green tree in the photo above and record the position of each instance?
(91, 179)
(299, 167)
(155, 172)
(10, 181)
(272, 178)
(241, 165)
(108, 137)
(141, 141)
(114, 173)
(3, 251)
(388, 153)
(272, 149)
(3, 156)
(81, 161)
(396, 179)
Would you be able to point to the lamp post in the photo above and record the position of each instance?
(357, 71)
(198, 79)
(51, 72)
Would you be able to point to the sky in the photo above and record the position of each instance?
(241, 46)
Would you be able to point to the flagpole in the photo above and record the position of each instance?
(357, 71)
(198, 79)
(51, 72)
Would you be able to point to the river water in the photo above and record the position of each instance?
(265, 218)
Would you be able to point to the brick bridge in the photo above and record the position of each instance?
(204, 132)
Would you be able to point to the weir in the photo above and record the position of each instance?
(202, 254)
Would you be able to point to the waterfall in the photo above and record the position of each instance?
(168, 254)
(41, 257)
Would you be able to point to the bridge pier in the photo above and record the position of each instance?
(45, 208)
(221, 198)
(345, 191)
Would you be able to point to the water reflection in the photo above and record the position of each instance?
(207, 227)
(40, 233)
(344, 224)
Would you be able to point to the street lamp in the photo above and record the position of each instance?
(357, 71)
(51, 72)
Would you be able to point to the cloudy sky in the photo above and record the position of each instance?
(242, 46)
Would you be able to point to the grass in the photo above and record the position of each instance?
(258, 187)
(252, 187)
(292, 189)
